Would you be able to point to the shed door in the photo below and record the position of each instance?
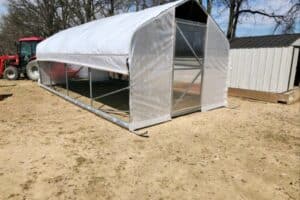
(188, 66)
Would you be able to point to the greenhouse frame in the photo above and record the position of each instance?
(141, 68)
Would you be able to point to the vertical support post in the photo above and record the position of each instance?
(91, 86)
(67, 80)
(50, 73)
(40, 73)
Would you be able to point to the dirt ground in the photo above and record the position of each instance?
(52, 149)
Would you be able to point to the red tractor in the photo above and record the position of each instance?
(23, 63)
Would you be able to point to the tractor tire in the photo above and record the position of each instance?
(32, 70)
(11, 73)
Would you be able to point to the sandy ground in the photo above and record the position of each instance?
(51, 149)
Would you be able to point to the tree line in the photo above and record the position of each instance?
(46, 17)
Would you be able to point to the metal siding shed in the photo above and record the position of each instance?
(264, 63)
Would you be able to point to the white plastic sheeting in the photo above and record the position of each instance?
(101, 44)
(142, 45)
(151, 72)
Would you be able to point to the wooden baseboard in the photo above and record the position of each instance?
(288, 97)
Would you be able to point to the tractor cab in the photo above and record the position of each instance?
(27, 49)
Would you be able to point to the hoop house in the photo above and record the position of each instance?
(140, 69)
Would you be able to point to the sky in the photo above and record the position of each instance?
(249, 26)
(3, 7)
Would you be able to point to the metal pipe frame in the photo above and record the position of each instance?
(186, 110)
(67, 79)
(83, 105)
(100, 113)
(186, 68)
(40, 80)
(50, 74)
(89, 108)
(188, 22)
(91, 85)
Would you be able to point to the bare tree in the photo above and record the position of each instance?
(288, 22)
(241, 8)
(209, 4)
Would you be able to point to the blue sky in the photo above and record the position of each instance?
(250, 26)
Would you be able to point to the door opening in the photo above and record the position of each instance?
(188, 66)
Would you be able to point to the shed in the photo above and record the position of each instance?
(170, 59)
(265, 63)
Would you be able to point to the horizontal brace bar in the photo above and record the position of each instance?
(89, 108)
(111, 93)
(186, 111)
(187, 68)
(192, 23)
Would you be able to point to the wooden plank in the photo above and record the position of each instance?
(286, 97)
(290, 97)
(253, 94)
